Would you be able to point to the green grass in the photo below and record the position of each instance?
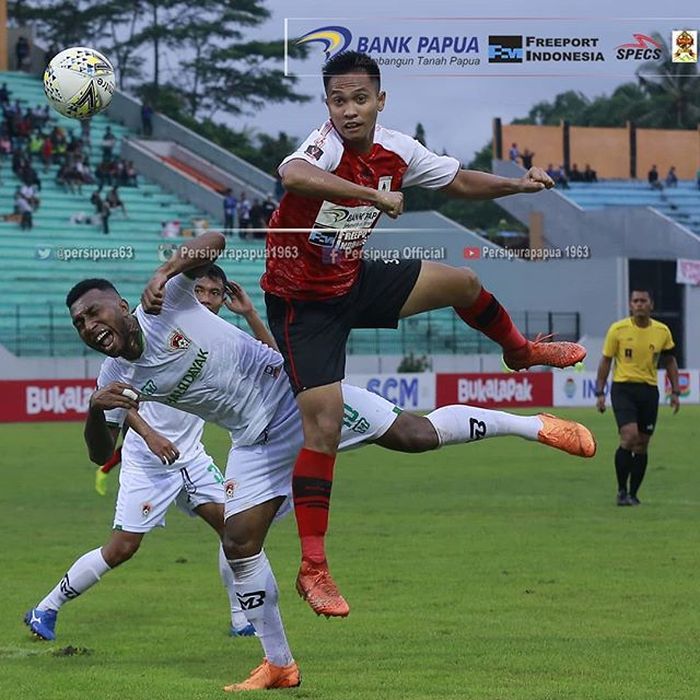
(497, 571)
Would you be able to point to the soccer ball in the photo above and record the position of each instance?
(79, 82)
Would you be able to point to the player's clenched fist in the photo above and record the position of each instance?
(535, 179)
(154, 293)
(114, 395)
(390, 203)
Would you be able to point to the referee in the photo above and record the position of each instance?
(636, 343)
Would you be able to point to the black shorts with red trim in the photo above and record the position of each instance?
(635, 402)
(312, 335)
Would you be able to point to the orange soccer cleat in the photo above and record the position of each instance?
(543, 351)
(268, 676)
(317, 587)
(566, 435)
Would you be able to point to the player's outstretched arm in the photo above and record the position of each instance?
(473, 184)
(190, 258)
(157, 443)
(238, 302)
(306, 179)
(100, 437)
(601, 378)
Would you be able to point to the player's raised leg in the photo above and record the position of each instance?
(258, 594)
(83, 574)
(458, 424)
(439, 286)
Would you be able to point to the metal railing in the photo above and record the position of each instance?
(46, 331)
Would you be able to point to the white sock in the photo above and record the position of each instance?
(238, 618)
(258, 594)
(84, 574)
(458, 424)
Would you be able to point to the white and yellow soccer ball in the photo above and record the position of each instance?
(79, 82)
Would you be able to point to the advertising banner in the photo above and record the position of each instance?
(45, 399)
(522, 389)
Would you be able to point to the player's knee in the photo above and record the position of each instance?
(119, 551)
(322, 432)
(472, 281)
(240, 545)
(420, 436)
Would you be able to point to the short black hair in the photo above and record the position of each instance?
(85, 286)
(351, 62)
(214, 272)
(643, 290)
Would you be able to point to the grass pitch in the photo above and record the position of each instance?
(496, 571)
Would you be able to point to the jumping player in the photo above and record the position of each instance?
(338, 183)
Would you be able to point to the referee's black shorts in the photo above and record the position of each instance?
(635, 402)
(312, 335)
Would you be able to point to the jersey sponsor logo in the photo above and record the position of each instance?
(149, 388)
(192, 373)
(252, 600)
(177, 340)
(273, 370)
(343, 228)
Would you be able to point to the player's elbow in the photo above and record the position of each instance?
(292, 176)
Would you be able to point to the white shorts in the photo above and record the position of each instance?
(258, 473)
(146, 494)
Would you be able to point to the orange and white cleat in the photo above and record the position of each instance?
(566, 435)
(317, 587)
(268, 676)
(543, 351)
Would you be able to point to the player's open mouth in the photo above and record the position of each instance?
(104, 339)
(352, 126)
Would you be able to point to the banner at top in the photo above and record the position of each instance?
(492, 47)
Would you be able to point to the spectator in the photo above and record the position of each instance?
(29, 176)
(230, 206)
(256, 219)
(130, 177)
(96, 201)
(104, 214)
(22, 54)
(590, 175)
(558, 175)
(526, 158)
(47, 153)
(514, 153)
(146, 119)
(672, 178)
(4, 95)
(653, 179)
(28, 193)
(576, 175)
(244, 220)
(108, 143)
(170, 229)
(114, 201)
(24, 208)
(269, 207)
(103, 174)
(85, 127)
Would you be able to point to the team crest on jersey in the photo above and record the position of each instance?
(177, 340)
(146, 509)
(230, 488)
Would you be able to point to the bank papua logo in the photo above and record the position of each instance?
(505, 49)
(570, 388)
(643, 48)
(333, 39)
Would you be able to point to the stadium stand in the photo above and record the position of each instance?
(681, 203)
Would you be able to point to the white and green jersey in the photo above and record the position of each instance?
(196, 362)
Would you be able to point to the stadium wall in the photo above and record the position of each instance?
(608, 149)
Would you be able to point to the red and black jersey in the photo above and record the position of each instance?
(327, 237)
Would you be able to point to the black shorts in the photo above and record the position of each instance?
(635, 402)
(312, 335)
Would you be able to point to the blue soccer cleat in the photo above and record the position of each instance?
(246, 631)
(42, 623)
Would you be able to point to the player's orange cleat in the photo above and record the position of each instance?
(566, 435)
(317, 587)
(542, 351)
(268, 676)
